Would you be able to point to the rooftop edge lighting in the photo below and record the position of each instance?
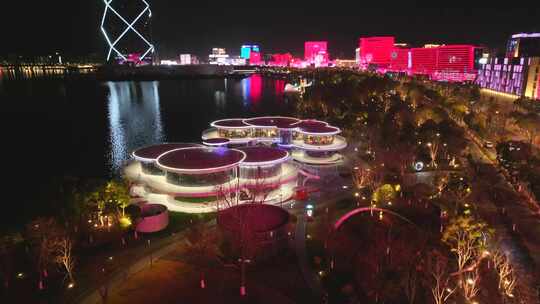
(266, 163)
(200, 171)
(526, 35)
(151, 160)
(271, 118)
(215, 124)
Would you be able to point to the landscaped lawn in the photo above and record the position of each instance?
(206, 199)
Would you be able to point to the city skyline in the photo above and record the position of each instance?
(178, 29)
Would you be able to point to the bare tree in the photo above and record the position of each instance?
(410, 280)
(467, 239)
(440, 280)
(507, 278)
(230, 195)
(64, 256)
(471, 284)
(433, 148)
(41, 234)
(201, 249)
(362, 176)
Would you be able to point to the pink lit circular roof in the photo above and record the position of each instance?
(151, 153)
(263, 156)
(232, 123)
(309, 123)
(200, 160)
(259, 217)
(270, 121)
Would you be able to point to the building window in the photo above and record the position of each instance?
(234, 133)
(151, 168)
(318, 140)
(201, 180)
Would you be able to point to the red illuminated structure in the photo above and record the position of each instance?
(455, 63)
(255, 58)
(316, 53)
(376, 51)
(399, 59)
(281, 59)
(423, 60)
(442, 63)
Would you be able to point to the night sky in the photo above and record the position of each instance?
(72, 26)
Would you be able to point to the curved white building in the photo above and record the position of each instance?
(310, 141)
(191, 177)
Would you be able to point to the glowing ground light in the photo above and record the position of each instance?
(71, 285)
(129, 27)
(418, 166)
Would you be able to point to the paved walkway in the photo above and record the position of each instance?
(309, 274)
(520, 220)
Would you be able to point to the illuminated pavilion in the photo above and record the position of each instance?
(194, 178)
(310, 141)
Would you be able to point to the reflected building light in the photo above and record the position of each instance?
(134, 119)
(246, 85)
(220, 100)
(252, 89)
(256, 87)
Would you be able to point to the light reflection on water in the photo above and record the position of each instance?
(134, 119)
(252, 89)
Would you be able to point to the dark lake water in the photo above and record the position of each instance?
(54, 127)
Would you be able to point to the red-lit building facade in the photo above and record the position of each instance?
(443, 63)
(316, 53)
(281, 60)
(376, 51)
(255, 58)
(399, 59)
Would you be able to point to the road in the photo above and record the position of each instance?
(516, 223)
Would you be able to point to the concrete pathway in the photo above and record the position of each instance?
(310, 276)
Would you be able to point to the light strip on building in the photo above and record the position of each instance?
(129, 27)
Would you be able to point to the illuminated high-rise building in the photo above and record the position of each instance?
(188, 59)
(316, 53)
(218, 56)
(514, 76)
(376, 50)
(125, 25)
(523, 45)
(357, 55)
(281, 59)
(251, 53)
(247, 49)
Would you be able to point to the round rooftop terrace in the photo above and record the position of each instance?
(257, 156)
(309, 123)
(271, 121)
(231, 123)
(200, 160)
(151, 153)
